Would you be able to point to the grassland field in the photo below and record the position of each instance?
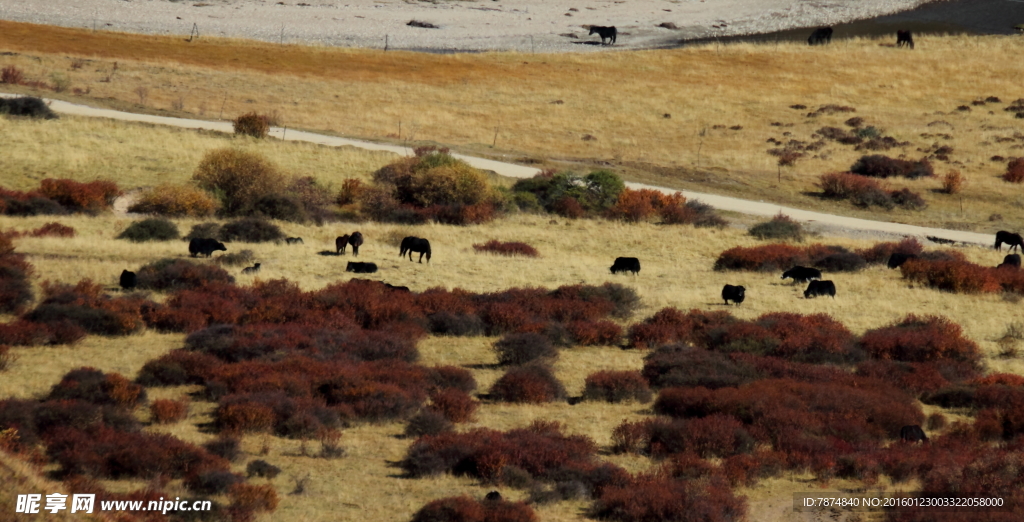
(459, 100)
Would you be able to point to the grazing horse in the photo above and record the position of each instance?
(606, 33)
(415, 244)
(340, 244)
(1010, 238)
(355, 240)
(821, 35)
(903, 37)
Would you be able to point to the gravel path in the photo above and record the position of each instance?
(519, 25)
(835, 224)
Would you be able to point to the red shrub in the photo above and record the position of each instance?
(672, 325)
(87, 197)
(1014, 171)
(653, 497)
(178, 367)
(533, 383)
(244, 417)
(766, 258)
(881, 252)
(52, 229)
(92, 385)
(568, 207)
(456, 405)
(1006, 379)
(253, 498)
(465, 509)
(454, 377)
(953, 276)
(640, 205)
(166, 411)
(806, 338)
(616, 386)
(510, 248)
(595, 333)
(920, 339)
(915, 378)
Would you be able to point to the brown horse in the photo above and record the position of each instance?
(340, 244)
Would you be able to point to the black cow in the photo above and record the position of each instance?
(1010, 238)
(415, 244)
(356, 239)
(361, 268)
(802, 274)
(820, 36)
(128, 280)
(897, 259)
(817, 288)
(626, 264)
(606, 33)
(293, 240)
(205, 246)
(340, 243)
(913, 434)
(252, 269)
(735, 294)
(399, 288)
(493, 496)
(1011, 260)
(903, 37)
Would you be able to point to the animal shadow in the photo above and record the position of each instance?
(328, 253)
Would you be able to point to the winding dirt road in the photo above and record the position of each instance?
(757, 208)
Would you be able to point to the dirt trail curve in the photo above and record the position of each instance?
(743, 206)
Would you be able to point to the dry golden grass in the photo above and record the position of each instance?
(18, 477)
(140, 155)
(619, 98)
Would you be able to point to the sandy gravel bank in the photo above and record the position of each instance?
(520, 25)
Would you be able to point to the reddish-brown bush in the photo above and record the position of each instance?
(11, 75)
(92, 385)
(522, 348)
(509, 248)
(879, 166)
(952, 182)
(672, 325)
(683, 365)
(568, 207)
(954, 276)
(456, 405)
(803, 338)
(177, 368)
(881, 252)
(654, 497)
(15, 288)
(533, 383)
(252, 124)
(176, 201)
(83, 197)
(846, 185)
(255, 498)
(350, 190)
(455, 377)
(1006, 379)
(1014, 171)
(466, 509)
(920, 339)
(616, 386)
(167, 411)
(52, 229)
(764, 258)
(916, 378)
(595, 333)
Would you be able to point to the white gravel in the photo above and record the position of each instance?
(464, 25)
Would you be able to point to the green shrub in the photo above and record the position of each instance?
(780, 227)
(152, 229)
(251, 230)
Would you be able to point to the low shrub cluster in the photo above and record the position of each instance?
(167, 411)
(534, 383)
(616, 386)
(779, 227)
(15, 288)
(1014, 171)
(466, 509)
(921, 339)
(866, 192)
(59, 196)
(151, 229)
(660, 497)
(570, 195)
(952, 273)
(238, 178)
(522, 348)
(508, 248)
(881, 252)
(173, 274)
(252, 124)
(250, 230)
(781, 256)
(879, 166)
(176, 201)
(95, 387)
(52, 229)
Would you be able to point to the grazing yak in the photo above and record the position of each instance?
(903, 37)
(626, 264)
(356, 240)
(817, 288)
(340, 244)
(802, 274)
(1011, 260)
(493, 496)
(820, 36)
(1010, 238)
(252, 269)
(897, 259)
(606, 33)
(293, 240)
(361, 268)
(128, 280)
(913, 434)
(415, 244)
(732, 293)
(205, 246)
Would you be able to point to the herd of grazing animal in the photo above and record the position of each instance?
(823, 35)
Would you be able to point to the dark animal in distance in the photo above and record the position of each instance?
(821, 35)
(399, 288)
(732, 293)
(1010, 238)
(361, 268)
(802, 274)
(26, 106)
(897, 259)
(128, 280)
(356, 239)
(205, 246)
(626, 264)
(1012, 260)
(817, 288)
(903, 37)
(252, 269)
(293, 240)
(606, 33)
(415, 244)
(493, 496)
(340, 244)
(913, 434)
